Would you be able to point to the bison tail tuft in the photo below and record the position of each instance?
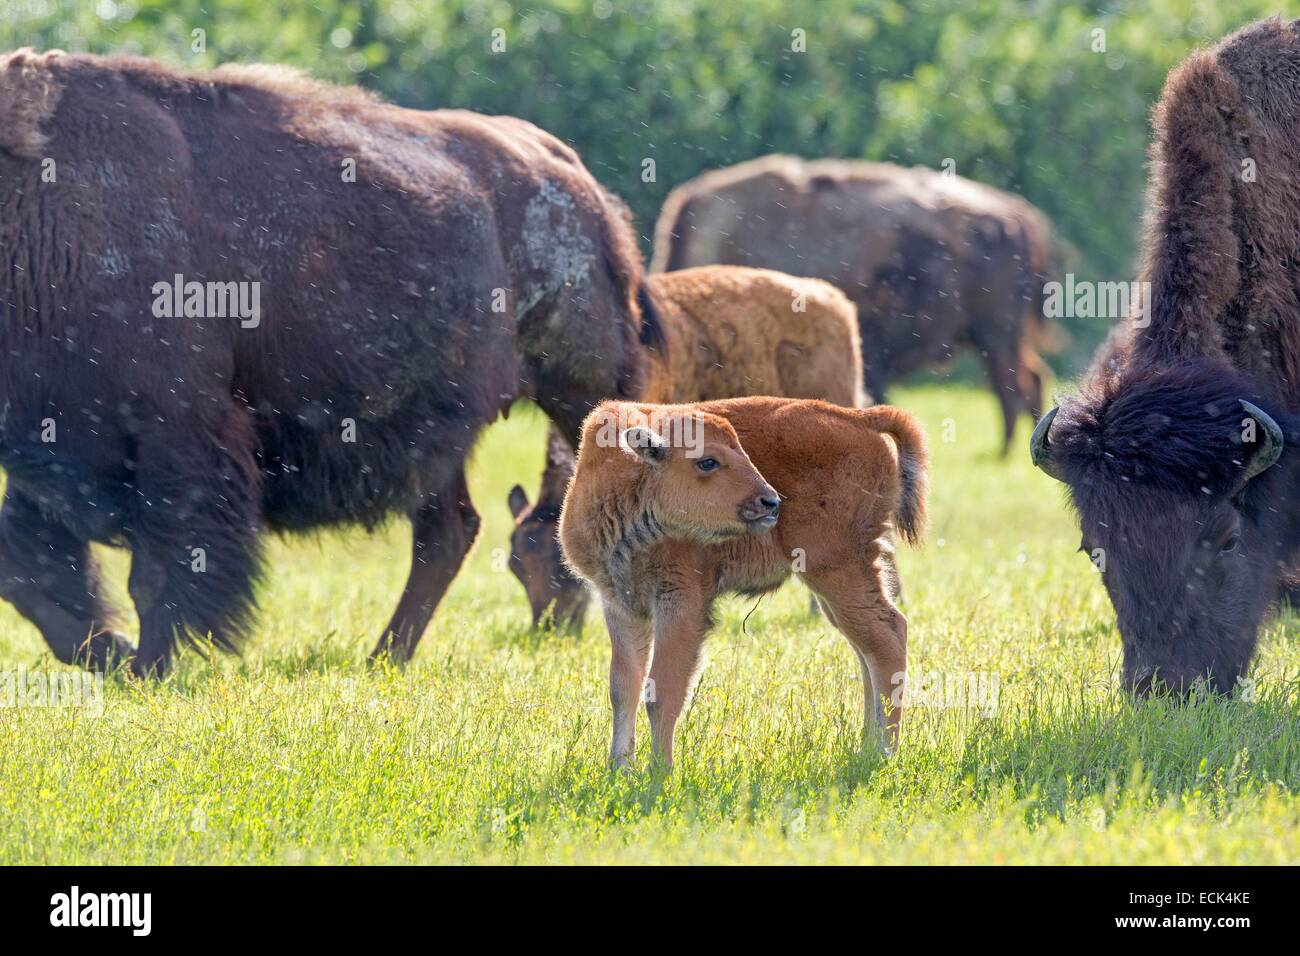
(913, 467)
(29, 95)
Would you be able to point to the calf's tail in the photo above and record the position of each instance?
(913, 467)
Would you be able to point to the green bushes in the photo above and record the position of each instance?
(1018, 94)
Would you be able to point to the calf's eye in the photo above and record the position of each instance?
(707, 465)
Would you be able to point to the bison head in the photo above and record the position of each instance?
(538, 563)
(1180, 477)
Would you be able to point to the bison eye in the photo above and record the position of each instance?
(1230, 545)
(707, 465)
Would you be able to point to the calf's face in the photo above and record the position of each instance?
(706, 488)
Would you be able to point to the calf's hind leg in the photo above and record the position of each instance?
(857, 602)
(443, 527)
(49, 576)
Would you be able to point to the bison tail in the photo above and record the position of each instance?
(29, 94)
(669, 240)
(913, 467)
(652, 334)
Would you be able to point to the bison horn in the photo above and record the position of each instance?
(1040, 446)
(1270, 443)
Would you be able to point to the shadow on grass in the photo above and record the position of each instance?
(1058, 748)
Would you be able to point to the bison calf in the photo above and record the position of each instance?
(673, 505)
(728, 331)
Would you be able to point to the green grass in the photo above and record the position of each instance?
(491, 745)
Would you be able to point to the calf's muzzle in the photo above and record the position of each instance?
(761, 511)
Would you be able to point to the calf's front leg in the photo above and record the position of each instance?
(630, 645)
(680, 622)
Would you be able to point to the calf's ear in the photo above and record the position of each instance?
(645, 444)
(518, 500)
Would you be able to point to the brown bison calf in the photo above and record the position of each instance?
(729, 331)
(673, 505)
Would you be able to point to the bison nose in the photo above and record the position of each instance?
(1142, 685)
(772, 503)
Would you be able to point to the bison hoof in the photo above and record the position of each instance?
(105, 651)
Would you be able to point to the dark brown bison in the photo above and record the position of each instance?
(245, 300)
(932, 262)
(1179, 450)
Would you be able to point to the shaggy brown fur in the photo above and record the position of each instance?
(659, 539)
(472, 261)
(1157, 450)
(729, 331)
(932, 262)
(1220, 250)
(734, 331)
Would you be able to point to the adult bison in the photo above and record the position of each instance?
(399, 277)
(932, 262)
(1179, 450)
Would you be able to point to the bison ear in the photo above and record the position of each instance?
(645, 444)
(518, 501)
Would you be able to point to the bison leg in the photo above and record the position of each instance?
(194, 541)
(50, 577)
(857, 602)
(1006, 375)
(630, 640)
(444, 527)
(1034, 374)
(681, 619)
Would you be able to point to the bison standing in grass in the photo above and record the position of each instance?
(932, 262)
(1180, 450)
(727, 331)
(401, 277)
(674, 505)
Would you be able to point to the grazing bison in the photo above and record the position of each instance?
(932, 262)
(728, 332)
(397, 278)
(1179, 451)
(673, 505)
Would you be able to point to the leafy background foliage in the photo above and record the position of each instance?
(491, 745)
(1011, 91)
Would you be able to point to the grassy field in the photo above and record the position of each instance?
(491, 746)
